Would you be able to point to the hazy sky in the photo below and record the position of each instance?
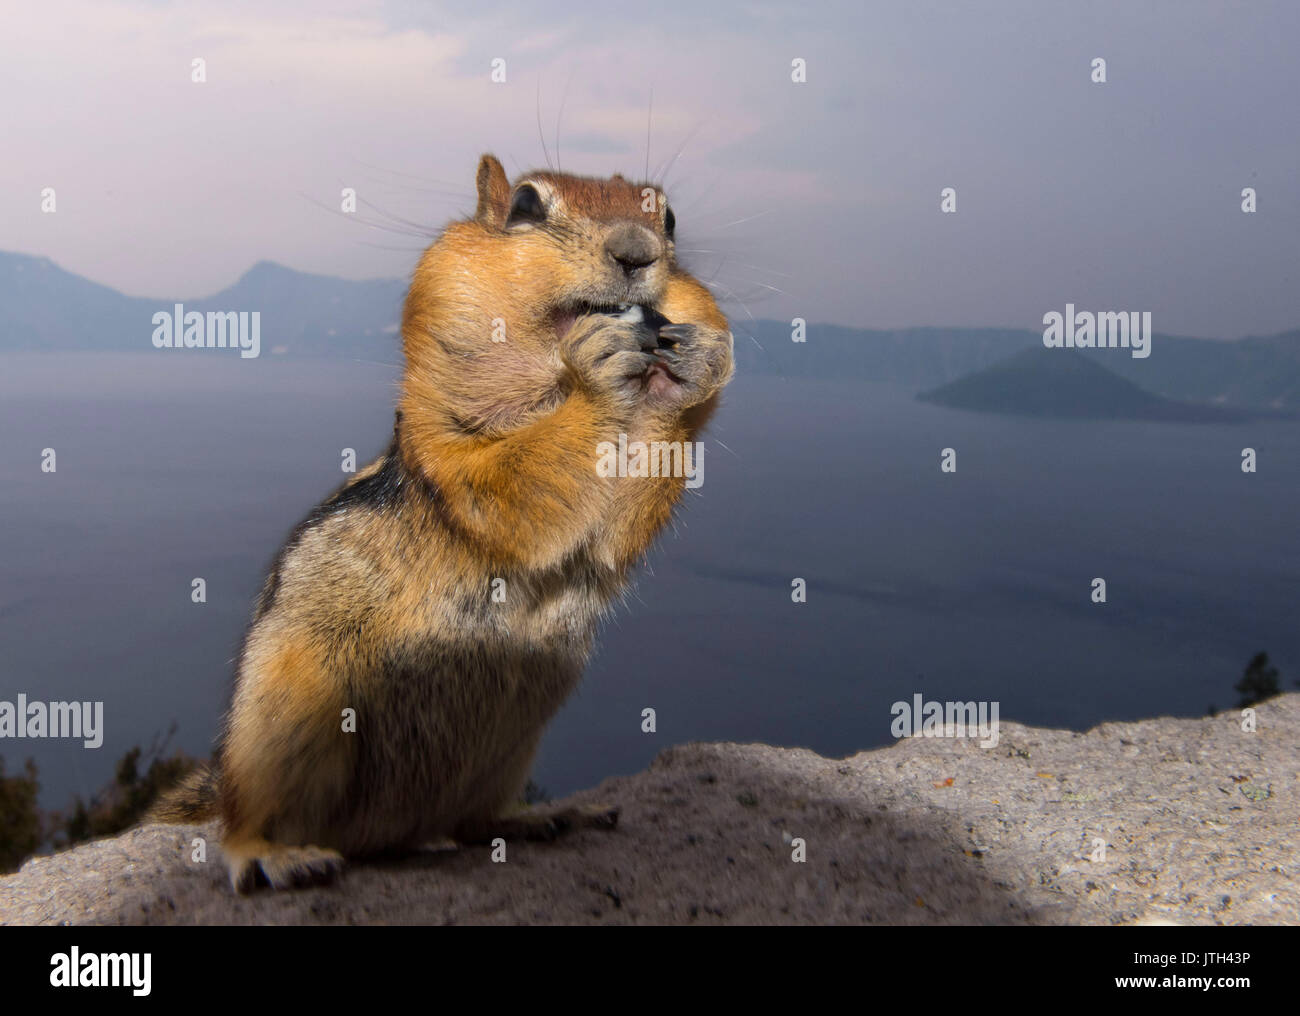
(819, 200)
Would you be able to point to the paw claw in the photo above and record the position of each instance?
(243, 876)
(676, 333)
(283, 867)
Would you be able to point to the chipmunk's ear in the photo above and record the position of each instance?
(493, 193)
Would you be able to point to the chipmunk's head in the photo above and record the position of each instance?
(542, 252)
(494, 294)
(602, 244)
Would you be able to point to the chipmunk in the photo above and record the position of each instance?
(423, 624)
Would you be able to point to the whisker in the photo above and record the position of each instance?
(694, 199)
(411, 176)
(723, 444)
(540, 133)
(742, 264)
(764, 285)
(731, 297)
(663, 176)
(721, 264)
(412, 229)
(449, 192)
(425, 228)
(563, 99)
(748, 218)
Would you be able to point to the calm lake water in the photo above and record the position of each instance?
(973, 585)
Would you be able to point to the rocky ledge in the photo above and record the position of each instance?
(1199, 820)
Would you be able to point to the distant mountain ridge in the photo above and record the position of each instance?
(1065, 383)
(43, 307)
(1258, 373)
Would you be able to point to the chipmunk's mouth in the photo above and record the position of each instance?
(658, 377)
(566, 317)
(660, 380)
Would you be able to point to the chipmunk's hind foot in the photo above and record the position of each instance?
(261, 862)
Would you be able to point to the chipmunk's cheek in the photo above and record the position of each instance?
(563, 322)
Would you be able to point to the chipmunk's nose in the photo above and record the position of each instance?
(633, 247)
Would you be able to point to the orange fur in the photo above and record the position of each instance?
(519, 363)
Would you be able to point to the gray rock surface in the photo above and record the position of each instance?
(1201, 824)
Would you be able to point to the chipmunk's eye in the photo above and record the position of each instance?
(670, 221)
(526, 206)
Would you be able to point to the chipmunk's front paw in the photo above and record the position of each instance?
(611, 356)
(692, 362)
(258, 862)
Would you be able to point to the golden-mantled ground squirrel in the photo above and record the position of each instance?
(557, 318)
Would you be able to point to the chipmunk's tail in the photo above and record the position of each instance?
(193, 799)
